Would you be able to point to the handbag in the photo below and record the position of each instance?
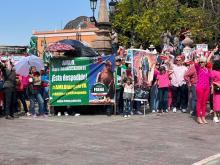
(216, 89)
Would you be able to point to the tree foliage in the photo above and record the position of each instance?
(146, 20)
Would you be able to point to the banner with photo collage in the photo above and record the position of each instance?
(142, 63)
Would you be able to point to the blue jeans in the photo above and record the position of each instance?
(119, 100)
(127, 107)
(154, 98)
(46, 98)
(40, 101)
(163, 98)
(194, 99)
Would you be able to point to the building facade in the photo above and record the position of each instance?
(78, 29)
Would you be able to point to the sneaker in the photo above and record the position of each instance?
(15, 115)
(77, 114)
(184, 110)
(166, 110)
(66, 114)
(174, 110)
(139, 113)
(129, 115)
(211, 111)
(45, 116)
(9, 117)
(153, 111)
(59, 114)
(192, 113)
(34, 116)
(215, 119)
(125, 116)
(28, 114)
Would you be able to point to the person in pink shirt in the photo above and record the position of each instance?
(25, 82)
(154, 90)
(202, 89)
(163, 82)
(21, 93)
(216, 92)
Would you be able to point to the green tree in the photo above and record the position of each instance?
(148, 19)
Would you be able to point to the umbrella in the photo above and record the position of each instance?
(81, 50)
(59, 47)
(23, 66)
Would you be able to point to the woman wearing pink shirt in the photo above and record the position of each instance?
(154, 90)
(216, 92)
(21, 94)
(202, 89)
(163, 83)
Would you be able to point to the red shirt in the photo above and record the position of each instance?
(191, 75)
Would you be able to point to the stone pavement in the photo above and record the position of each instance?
(165, 139)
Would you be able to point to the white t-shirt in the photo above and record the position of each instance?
(177, 77)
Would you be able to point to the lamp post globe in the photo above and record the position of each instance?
(93, 4)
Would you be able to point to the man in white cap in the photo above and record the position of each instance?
(152, 50)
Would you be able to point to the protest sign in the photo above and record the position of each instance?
(74, 81)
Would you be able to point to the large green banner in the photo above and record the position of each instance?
(81, 81)
(69, 83)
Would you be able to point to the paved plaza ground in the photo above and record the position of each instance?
(164, 139)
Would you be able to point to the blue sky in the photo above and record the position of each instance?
(19, 18)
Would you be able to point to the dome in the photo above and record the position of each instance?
(81, 22)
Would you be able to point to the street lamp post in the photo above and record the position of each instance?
(93, 4)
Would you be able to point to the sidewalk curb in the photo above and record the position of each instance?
(206, 160)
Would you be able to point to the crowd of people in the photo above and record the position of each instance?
(18, 89)
(177, 85)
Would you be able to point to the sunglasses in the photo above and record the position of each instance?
(178, 60)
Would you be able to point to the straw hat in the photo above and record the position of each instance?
(151, 47)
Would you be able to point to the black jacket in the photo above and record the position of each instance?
(9, 78)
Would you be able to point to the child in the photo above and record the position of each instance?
(163, 83)
(128, 97)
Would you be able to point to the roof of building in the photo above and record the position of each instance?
(81, 22)
(13, 49)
